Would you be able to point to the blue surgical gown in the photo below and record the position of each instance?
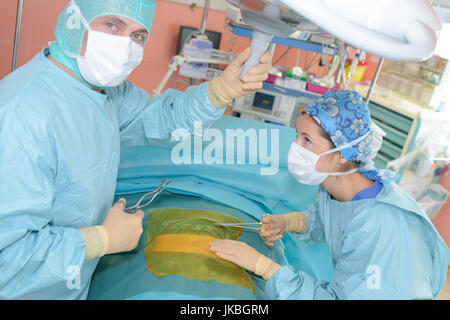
(382, 248)
(59, 157)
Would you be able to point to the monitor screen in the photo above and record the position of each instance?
(264, 101)
(215, 37)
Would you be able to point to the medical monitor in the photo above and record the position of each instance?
(213, 36)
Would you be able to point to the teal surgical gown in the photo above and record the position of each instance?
(382, 248)
(59, 157)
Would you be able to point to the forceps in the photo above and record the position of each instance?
(242, 225)
(156, 192)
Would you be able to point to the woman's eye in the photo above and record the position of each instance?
(307, 141)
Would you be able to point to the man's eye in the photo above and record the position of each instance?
(139, 37)
(112, 26)
(307, 141)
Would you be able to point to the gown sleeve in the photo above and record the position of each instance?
(34, 253)
(143, 118)
(358, 273)
(314, 232)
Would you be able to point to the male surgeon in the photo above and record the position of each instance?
(63, 117)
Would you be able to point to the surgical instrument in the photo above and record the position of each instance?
(243, 225)
(156, 192)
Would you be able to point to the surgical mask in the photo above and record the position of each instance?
(377, 141)
(109, 59)
(302, 163)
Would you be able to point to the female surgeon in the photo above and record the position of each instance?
(382, 243)
(64, 116)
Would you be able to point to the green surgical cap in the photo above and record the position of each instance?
(70, 29)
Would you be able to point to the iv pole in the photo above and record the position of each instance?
(374, 79)
(205, 16)
(17, 35)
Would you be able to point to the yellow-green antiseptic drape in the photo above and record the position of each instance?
(178, 243)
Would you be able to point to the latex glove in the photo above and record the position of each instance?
(119, 232)
(274, 226)
(228, 85)
(244, 256)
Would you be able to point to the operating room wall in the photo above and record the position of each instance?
(8, 10)
(40, 16)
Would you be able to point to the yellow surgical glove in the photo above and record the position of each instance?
(220, 93)
(266, 267)
(274, 226)
(245, 256)
(228, 85)
(119, 232)
(96, 241)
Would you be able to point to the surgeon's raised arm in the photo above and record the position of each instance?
(143, 118)
(37, 257)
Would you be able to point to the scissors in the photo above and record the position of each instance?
(155, 193)
(242, 225)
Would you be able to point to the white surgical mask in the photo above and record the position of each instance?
(302, 163)
(109, 59)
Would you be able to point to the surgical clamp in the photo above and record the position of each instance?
(156, 192)
(242, 225)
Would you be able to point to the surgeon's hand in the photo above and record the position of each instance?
(253, 80)
(237, 252)
(119, 232)
(244, 256)
(273, 226)
(124, 230)
(228, 86)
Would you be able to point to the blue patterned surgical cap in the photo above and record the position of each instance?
(345, 117)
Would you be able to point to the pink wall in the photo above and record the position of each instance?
(39, 20)
(7, 27)
(40, 16)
